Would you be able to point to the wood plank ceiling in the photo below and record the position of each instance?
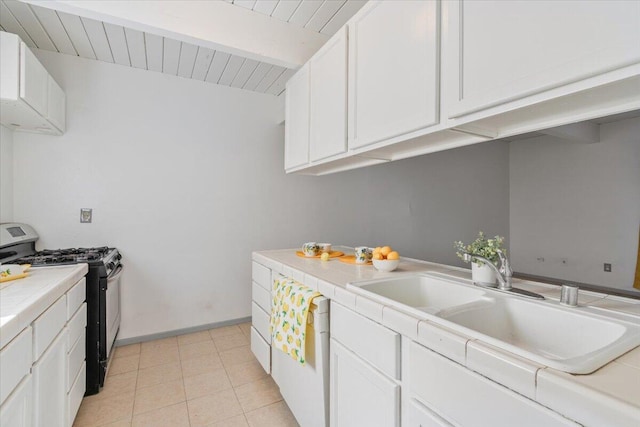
(57, 31)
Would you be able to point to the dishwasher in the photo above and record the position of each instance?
(305, 388)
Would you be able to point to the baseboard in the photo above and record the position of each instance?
(159, 335)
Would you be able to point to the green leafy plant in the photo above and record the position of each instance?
(483, 247)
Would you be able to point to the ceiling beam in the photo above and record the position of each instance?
(214, 24)
(585, 132)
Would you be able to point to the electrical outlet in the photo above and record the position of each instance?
(607, 267)
(540, 259)
(86, 215)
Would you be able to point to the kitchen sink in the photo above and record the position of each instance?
(574, 340)
(419, 293)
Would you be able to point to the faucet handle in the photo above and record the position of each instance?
(505, 266)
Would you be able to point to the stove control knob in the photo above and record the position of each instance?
(118, 257)
(110, 266)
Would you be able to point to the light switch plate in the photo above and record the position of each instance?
(86, 215)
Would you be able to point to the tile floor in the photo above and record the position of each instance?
(207, 378)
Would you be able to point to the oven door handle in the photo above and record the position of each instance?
(115, 274)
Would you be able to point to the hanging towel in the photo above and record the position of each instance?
(289, 311)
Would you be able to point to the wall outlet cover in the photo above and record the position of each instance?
(607, 267)
(86, 215)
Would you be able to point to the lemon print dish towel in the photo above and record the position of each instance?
(289, 311)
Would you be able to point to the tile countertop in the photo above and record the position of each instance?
(23, 300)
(609, 396)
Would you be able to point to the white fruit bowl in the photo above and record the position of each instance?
(386, 264)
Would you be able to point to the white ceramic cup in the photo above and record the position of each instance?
(363, 254)
(324, 247)
(310, 249)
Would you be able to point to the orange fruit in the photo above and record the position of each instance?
(377, 255)
(376, 250)
(385, 250)
(393, 255)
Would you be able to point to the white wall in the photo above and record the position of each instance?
(186, 179)
(6, 174)
(579, 202)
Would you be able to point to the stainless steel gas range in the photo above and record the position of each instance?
(103, 290)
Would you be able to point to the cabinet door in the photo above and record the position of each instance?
(328, 105)
(34, 81)
(57, 105)
(49, 384)
(360, 395)
(296, 139)
(16, 411)
(506, 50)
(421, 416)
(393, 70)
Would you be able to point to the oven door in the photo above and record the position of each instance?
(112, 300)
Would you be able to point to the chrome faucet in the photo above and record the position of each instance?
(503, 274)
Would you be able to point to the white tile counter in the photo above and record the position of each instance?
(23, 300)
(609, 396)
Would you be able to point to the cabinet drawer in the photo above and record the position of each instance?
(261, 275)
(76, 326)
(75, 297)
(261, 322)
(261, 296)
(261, 349)
(421, 416)
(75, 360)
(468, 399)
(15, 362)
(371, 341)
(74, 398)
(48, 325)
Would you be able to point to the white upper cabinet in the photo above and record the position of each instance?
(393, 70)
(328, 102)
(296, 142)
(501, 51)
(31, 100)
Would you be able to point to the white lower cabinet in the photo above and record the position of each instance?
(260, 315)
(359, 394)
(450, 394)
(419, 415)
(49, 384)
(16, 411)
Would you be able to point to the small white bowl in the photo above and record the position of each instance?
(386, 264)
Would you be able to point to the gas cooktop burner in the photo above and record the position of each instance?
(62, 256)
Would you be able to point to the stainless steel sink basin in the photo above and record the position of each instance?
(573, 340)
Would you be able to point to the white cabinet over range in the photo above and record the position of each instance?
(31, 99)
(433, 75)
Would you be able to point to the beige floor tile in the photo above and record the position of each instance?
(160, 357)
(159, 345)
(201, 365)
(191, 351)
(127, 350)
(231, 341)
(120, 423)
(103, 411)
(117, 385)
(124, 364)
(158, 396)
(194, 337)
(213, 408)
(225, 330)
(245, 328)
(239, 421)
(236, 356)
(275, 415)
(169, 416)
(243, 373)
(203, 384)
(257, 394)
(159, 374)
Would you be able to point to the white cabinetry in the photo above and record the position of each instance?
(453, 394)
(364, 363)
(17, 411)
(328, 102)
(393, 70)
(296, 140)
(502, 51)
(31, 100)
(260, 314)
(49, 384)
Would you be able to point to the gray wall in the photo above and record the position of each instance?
(579, 203)
(186, 178)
